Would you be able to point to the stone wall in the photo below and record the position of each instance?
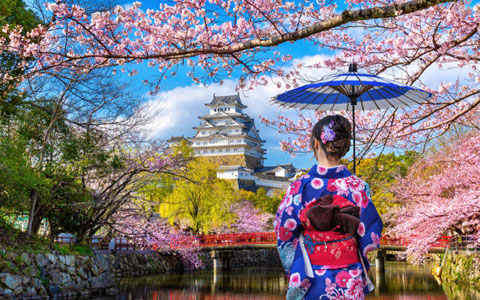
(235, 160)
(253, 162)
(256, 257)
(27, 275)
(246, 184)
(227, 160)
(125, 263)
(462, 268)
(44, 275)
(244, 256)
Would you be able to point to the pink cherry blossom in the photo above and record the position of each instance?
(355, 289)
(339, 185)
(368, 248)
(440, 193)
(317, 183)
(294, 187)
(249, 219)
(330, 287)
(322, 170)
(290, 224)
(306, 283)
(375, 238)
(355, 272)
(295, 280)
(361, 229)
(320, 272)
(342, 278)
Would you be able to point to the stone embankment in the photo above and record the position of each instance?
(463, 268)
(52, 275)
(245, 256)
(44, 275)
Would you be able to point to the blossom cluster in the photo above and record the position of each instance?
(440, 196)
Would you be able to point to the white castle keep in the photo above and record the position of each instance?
(228, 137)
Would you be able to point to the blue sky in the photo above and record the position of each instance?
(180, 101)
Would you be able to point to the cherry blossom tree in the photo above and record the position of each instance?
(215, 39)
(441, 195)
(403, 40)
(116, 184)
(251, 219)
(153, 232)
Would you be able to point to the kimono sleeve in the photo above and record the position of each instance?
(287, 224)
(370, 228)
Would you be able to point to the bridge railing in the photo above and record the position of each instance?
(442, 242)
(225, 239)
(466, 242)
(253, 238)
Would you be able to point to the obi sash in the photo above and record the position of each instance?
(330, 249)
(330, 228)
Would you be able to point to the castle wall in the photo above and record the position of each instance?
(235, 160)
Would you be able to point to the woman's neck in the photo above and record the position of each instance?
(324, 162)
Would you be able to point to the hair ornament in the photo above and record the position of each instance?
(328, 135)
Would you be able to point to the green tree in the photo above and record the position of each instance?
(381, 173)
(200, 201)
(262, 200)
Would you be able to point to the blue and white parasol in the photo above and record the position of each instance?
(351, 90)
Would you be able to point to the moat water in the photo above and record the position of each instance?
(401, 281)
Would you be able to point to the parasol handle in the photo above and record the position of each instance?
(353, 102)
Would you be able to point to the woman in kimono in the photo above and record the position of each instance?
(327, 223)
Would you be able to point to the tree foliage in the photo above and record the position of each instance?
(262, 200)
(13, 13)
(440, 195)
(200, 202)
(382, 173)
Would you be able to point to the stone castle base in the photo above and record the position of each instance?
(235, 160)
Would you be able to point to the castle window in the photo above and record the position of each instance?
(220, 150)
(212, 150)
(204, 151)
(227, 150)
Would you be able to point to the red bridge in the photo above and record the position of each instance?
(266, 239)
(239, 240)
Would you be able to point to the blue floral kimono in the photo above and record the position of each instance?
(332, 281)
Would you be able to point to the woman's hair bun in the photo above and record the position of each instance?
(336, 137)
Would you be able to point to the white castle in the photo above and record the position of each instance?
(229, 137)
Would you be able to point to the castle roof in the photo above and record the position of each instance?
(288, 167)
(221, 115)
(226, 100)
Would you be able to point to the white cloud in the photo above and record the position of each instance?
(176, 111)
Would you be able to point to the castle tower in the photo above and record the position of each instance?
(227, 136)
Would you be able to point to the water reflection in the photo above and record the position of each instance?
(400, 281)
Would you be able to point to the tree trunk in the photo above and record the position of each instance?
(36, 222)
(34, 197)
